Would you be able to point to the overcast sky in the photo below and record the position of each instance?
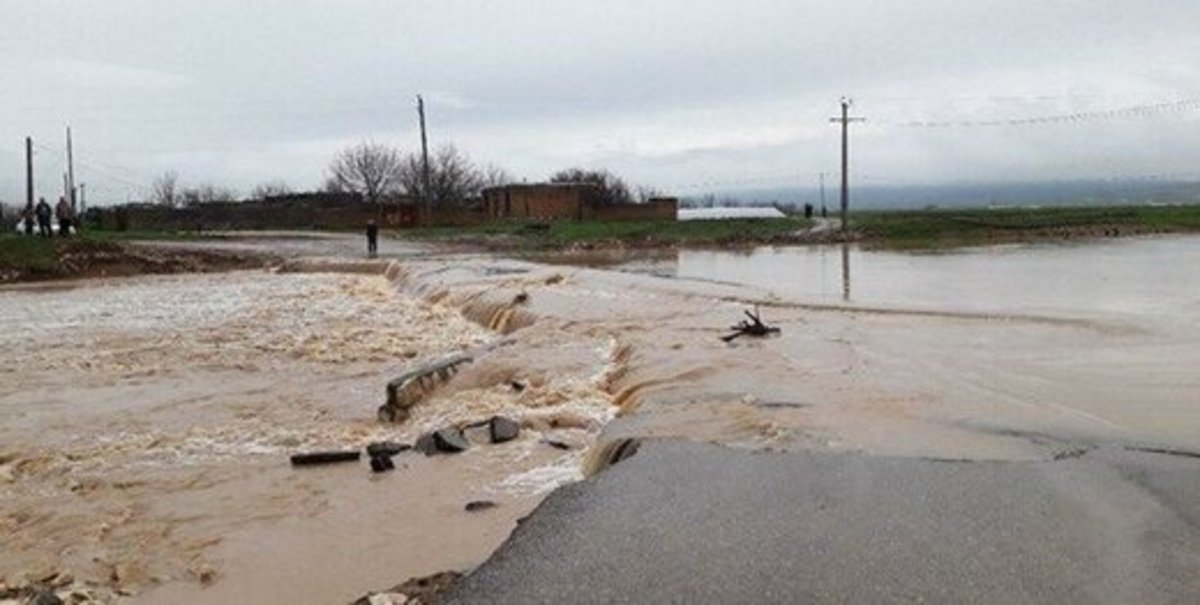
(684, 95)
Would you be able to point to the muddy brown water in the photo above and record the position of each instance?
(145, 423)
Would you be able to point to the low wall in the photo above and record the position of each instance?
(251, 216)
(653, 210)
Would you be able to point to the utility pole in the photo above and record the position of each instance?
(29, 172)
(425, 162)
(845, 121)
(71, 173)
(824, 212)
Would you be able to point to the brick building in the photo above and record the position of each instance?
(568, 201)
(542, 201)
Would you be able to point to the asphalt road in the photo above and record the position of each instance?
(682, 522)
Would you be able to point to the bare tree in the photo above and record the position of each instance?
(613, 190)
(207, 194)
(645, 193)
(495, 176)
(453, 178)
(166, 189)
(369, 169)
(263, 191)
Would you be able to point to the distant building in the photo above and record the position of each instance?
(568, 201)
(542, 201)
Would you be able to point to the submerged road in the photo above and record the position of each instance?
(685, 522)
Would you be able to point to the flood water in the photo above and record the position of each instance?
(145, 423)
(1150, 276)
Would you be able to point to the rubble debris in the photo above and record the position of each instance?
(382, 463)
(754, 327)
(517, 386)
(387, 448)
(503, 430)
(479, 505)
(411, 387)
(557, 444)
(319, 458)
(449, 440)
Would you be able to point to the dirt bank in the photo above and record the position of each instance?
(39, 260)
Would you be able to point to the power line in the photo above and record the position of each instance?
(1136, 111)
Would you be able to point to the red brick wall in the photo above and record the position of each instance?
(665, 209)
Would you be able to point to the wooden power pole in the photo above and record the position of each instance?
(845, 121)
(71, 173)
(29, 172)
(823, 211)
(425, 163)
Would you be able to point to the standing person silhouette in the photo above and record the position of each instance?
(65, 217)
(28, 216)
(372, 238)
(43, 217)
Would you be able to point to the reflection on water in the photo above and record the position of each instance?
(846, 272)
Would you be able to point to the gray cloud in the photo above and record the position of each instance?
(684, 95)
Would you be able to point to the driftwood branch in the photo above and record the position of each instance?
(754, 327)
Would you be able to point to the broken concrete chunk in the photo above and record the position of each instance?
(387, 448)
(426, 445)
(411, 387)
(449, 440)
(502, 430)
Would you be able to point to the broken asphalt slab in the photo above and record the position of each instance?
(685, 522)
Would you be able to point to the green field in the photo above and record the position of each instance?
(28, 255)
(932, 229)
(40, 258)
(635, 233)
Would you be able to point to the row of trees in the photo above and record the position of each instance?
(377, 171)
(167, 191)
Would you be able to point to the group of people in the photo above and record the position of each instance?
(42, 215)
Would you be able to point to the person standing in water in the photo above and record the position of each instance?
(372, 238)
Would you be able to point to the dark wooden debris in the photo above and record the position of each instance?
(319, 458)
(387, 448)
(754, 327)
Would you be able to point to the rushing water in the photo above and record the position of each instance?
(144, 423)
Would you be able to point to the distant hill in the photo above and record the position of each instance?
(965, 195)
